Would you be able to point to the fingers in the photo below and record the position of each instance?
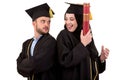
(89, 32)
(105, 52)
(86, 39)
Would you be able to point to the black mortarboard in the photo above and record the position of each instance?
(75, 8)
(41, 10)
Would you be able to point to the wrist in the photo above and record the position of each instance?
(102, 61)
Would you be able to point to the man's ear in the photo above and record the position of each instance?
(34, 23)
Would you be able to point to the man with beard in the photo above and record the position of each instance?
(37, 58)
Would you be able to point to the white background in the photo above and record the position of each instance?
(16, 27)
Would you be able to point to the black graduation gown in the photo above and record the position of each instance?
(77, 61)
(40, 66)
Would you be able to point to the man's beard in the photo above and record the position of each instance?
(40, 31)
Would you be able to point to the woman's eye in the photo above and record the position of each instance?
(72, 19)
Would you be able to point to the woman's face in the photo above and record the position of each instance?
(70, 22)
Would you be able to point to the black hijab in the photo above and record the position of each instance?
(77, 10)
(79, 19)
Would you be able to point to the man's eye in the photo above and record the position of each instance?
(42, 21)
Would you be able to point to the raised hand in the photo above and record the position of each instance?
(86, 39)
(104, 53)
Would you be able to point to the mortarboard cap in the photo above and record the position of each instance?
(40, 10)
(75, 8)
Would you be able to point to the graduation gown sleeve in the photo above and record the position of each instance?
(101, 66)
(25, 65)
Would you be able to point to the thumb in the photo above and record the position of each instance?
(82, 32)
(102, 48)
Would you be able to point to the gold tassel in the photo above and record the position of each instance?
(90, 16)
(50, 13)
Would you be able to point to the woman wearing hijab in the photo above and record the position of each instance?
(77, 54)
